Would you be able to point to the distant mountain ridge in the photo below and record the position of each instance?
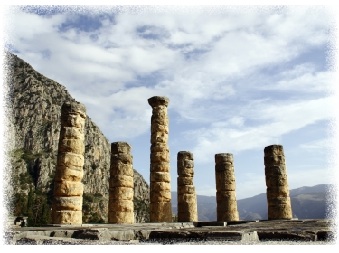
(308, 202)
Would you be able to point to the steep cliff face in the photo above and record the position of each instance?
(35, 103)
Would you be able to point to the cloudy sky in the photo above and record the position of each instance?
(238, 79)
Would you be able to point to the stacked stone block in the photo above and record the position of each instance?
(121, 187)
(160, 180)
(225, 183)
(278, 199)
(68, 189)
(187, 199)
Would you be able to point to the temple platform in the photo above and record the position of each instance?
(242, 232)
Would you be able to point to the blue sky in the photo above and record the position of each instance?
(238, 79)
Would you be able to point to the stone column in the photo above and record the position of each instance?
(160, 180)
(68, 189)
(187, 199)
(121, 188)
(225, 183)
(278, 199)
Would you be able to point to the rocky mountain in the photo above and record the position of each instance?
(316, 202)
(33, 105)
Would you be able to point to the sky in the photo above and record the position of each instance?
(239, 78)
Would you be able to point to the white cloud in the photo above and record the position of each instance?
(320, 145)
(33, 25)
(233, 44)
(303, 78)
(277, 119)
(301, 24)
(126, 113)
(210, 63)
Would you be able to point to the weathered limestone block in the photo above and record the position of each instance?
(184, 181)
(73, 174)
(278, 211)
(122, 205)
(278, 199)
(225, 180)
(228, 207)
(280, 191)
(225, 183)
(160, 157)
(68, 203)
(159, 147)
(160, 137)
(162, 210)
(121, 158)
(187, 199)
(121, 184)
(188, 189)
(121, 193)
(161, 177)
(75, 113)
(160, 187)
(120, 168)
(121, 149)
(68, 189)
(162, 196)
(221, 195)
(121, 181)
(71, 133)
(72, 145)
(118, 216)
(70, 159)
(67, 217)
(160, 167)
(277, 182)
(187, 172)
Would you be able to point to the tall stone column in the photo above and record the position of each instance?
(278, 199)
(187, 199)
(225, 183)
(68, 189)
(121, 188)
(160, 180)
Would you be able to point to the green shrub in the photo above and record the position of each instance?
(36, 206)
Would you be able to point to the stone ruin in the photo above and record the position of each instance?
(160, 178)
(187, 199)
(225, 184)
(68, 189)
(121, 188)
(278, 199)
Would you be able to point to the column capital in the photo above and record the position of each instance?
(158, 100)
(73, 107)
(185, 154)
(274, 149)
(120, 147)
(223, 157)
